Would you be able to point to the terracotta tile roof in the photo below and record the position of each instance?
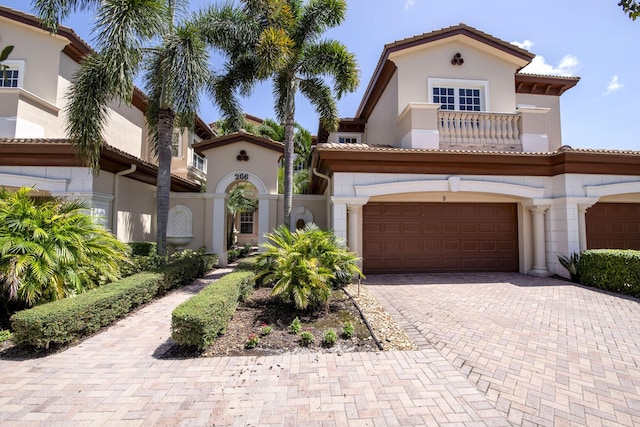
(334, 146)
(110, 157)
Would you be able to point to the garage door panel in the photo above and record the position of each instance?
(434, 237)
(613, 226)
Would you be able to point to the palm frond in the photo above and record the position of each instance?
(320, 96)
(331, 58)
(53, 11)
(316, 17)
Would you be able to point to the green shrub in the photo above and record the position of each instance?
(305, 265)
(295, 326)
(330, 338)
(5, 334)
(142, 263)
(142, 248)
(200, 319)
(611, 269)
(307, 338)
(233, 254)
(247, 264)
(246, 289)
(51, 249)
(66, 320)
(348, 330)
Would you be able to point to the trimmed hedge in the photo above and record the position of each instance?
(611, 269)
(199, 320)
(65, 320)
(142, 248)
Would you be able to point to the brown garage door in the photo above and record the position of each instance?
(613, 226)
(439, 237)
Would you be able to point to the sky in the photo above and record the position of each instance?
(591, 39)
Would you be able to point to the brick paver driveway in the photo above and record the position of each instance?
(542, 351)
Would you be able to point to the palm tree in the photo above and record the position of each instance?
(4, 54)
(50, 249)
(287, 40)
(175, 70)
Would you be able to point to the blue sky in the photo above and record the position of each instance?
(594, 40)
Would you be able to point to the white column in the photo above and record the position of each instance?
(539, 243)
(219, 231)
(263, 219)
(354, 229)
(582, 226)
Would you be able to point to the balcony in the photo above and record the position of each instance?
(423, 125)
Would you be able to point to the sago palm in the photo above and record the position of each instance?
(52, 249)
(288, 48)
(133, 37)
(304, 266)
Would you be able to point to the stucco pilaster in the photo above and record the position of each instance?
(539, 241)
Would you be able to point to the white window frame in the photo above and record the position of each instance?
(252, 222)
(348, 136)
(176, 133)
(13, 64)
(483, 85)
(195, 158)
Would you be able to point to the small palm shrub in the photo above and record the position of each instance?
(571, 264)
(51, 249)
(305, 265)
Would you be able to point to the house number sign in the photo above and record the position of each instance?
(242, 176)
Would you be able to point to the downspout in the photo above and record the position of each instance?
(321, 175)
(114, 207)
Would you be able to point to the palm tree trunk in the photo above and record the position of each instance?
(289, 126)
(163, 186)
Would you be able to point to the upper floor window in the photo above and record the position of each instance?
(459, 95)
(459, 99)
(345, 139)
(176, 148)
(199, 162)
(13, 74)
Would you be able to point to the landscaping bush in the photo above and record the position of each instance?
(65, 320)
(305, 265)
(142, 248)
(611, 270)
(247, 264)
(199, 320)
(68, 319)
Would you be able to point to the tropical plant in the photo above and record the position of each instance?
(307, 338)
(330, 338)
(295, 326)
(630, 7)
(240, 200)
(286, 46)
(50, 249)
(133, 37)
(571, 264)
(304, 266)
(252, 341)
(348, 330)
(4, 54)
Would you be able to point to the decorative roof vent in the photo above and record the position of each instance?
(457, 59)
(242, 157)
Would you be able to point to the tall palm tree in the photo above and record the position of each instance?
(287, 47)
(138, 36)
(240, 199)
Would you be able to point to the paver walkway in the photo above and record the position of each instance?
(542, 351)
(116, 378)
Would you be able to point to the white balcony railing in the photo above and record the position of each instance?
(459, 127)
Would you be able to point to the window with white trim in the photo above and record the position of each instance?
(348, 139)
(459, 95)
(199, 162)
(246, 222)
(176, 139)
(12, 74)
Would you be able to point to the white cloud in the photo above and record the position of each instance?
(408, 4)
(613, 86)
(566, 67)
(527, 44)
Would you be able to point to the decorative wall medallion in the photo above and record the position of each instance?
(242, 157)
(457, 59)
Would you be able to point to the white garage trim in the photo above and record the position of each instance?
(612, 189)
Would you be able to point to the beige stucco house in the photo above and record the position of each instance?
(454, 161)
